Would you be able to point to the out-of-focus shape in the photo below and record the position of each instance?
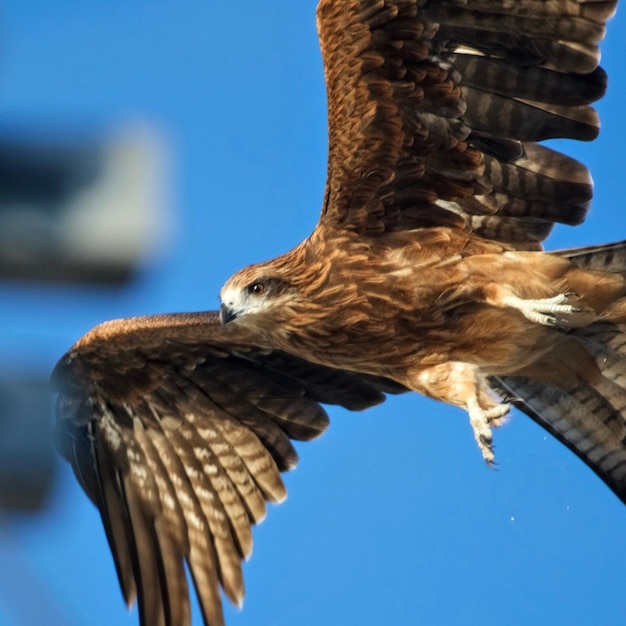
(27, 461)
(82, 208)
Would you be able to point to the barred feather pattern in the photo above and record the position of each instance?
(180, 444)
(435, 108)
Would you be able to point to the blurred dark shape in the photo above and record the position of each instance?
(43, 174)
(27, 457)
(80, 209)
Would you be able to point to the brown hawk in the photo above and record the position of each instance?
(424, 273)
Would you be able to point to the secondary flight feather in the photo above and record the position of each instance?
(425, 273)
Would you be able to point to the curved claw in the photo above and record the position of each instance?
(481, 421)
(551, 311)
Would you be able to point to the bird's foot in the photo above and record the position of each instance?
(556, 311)
(482, 421)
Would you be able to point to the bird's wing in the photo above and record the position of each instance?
(178, 430)
(435, 108)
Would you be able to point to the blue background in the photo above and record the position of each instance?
(392, 516)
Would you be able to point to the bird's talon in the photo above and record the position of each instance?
(482, 420)
(550, 311)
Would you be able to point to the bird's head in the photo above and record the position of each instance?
(254, 291)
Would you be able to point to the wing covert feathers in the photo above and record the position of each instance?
(178, 433)
(435, 108)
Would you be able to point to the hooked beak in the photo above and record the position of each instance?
(226, 315)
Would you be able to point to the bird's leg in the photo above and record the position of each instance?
(555, 311)
(482, 420)
(461, 384)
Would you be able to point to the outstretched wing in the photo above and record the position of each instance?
(435, 107)
(178, 430)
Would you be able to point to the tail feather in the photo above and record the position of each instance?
(612, 336)
(587, 411)
(607, 343)
(609, 257)
(581, 419)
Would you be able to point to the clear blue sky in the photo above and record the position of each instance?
(392, 517)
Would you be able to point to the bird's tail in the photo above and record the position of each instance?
(588, 413)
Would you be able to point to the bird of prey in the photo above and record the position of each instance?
(425, 273)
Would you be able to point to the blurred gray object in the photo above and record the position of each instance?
(81, 209)
(27, 460)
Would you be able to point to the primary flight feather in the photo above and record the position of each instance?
(424, 273)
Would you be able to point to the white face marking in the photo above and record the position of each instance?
(230, 296)
(240, 301)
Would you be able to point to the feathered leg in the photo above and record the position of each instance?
(561, 310)
(568, 289)
(461, 384)
(586, 410)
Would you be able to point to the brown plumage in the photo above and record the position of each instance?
(425, 273)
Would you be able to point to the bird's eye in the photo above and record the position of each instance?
(257, 289)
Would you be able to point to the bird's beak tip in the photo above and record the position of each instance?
(226, 314)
